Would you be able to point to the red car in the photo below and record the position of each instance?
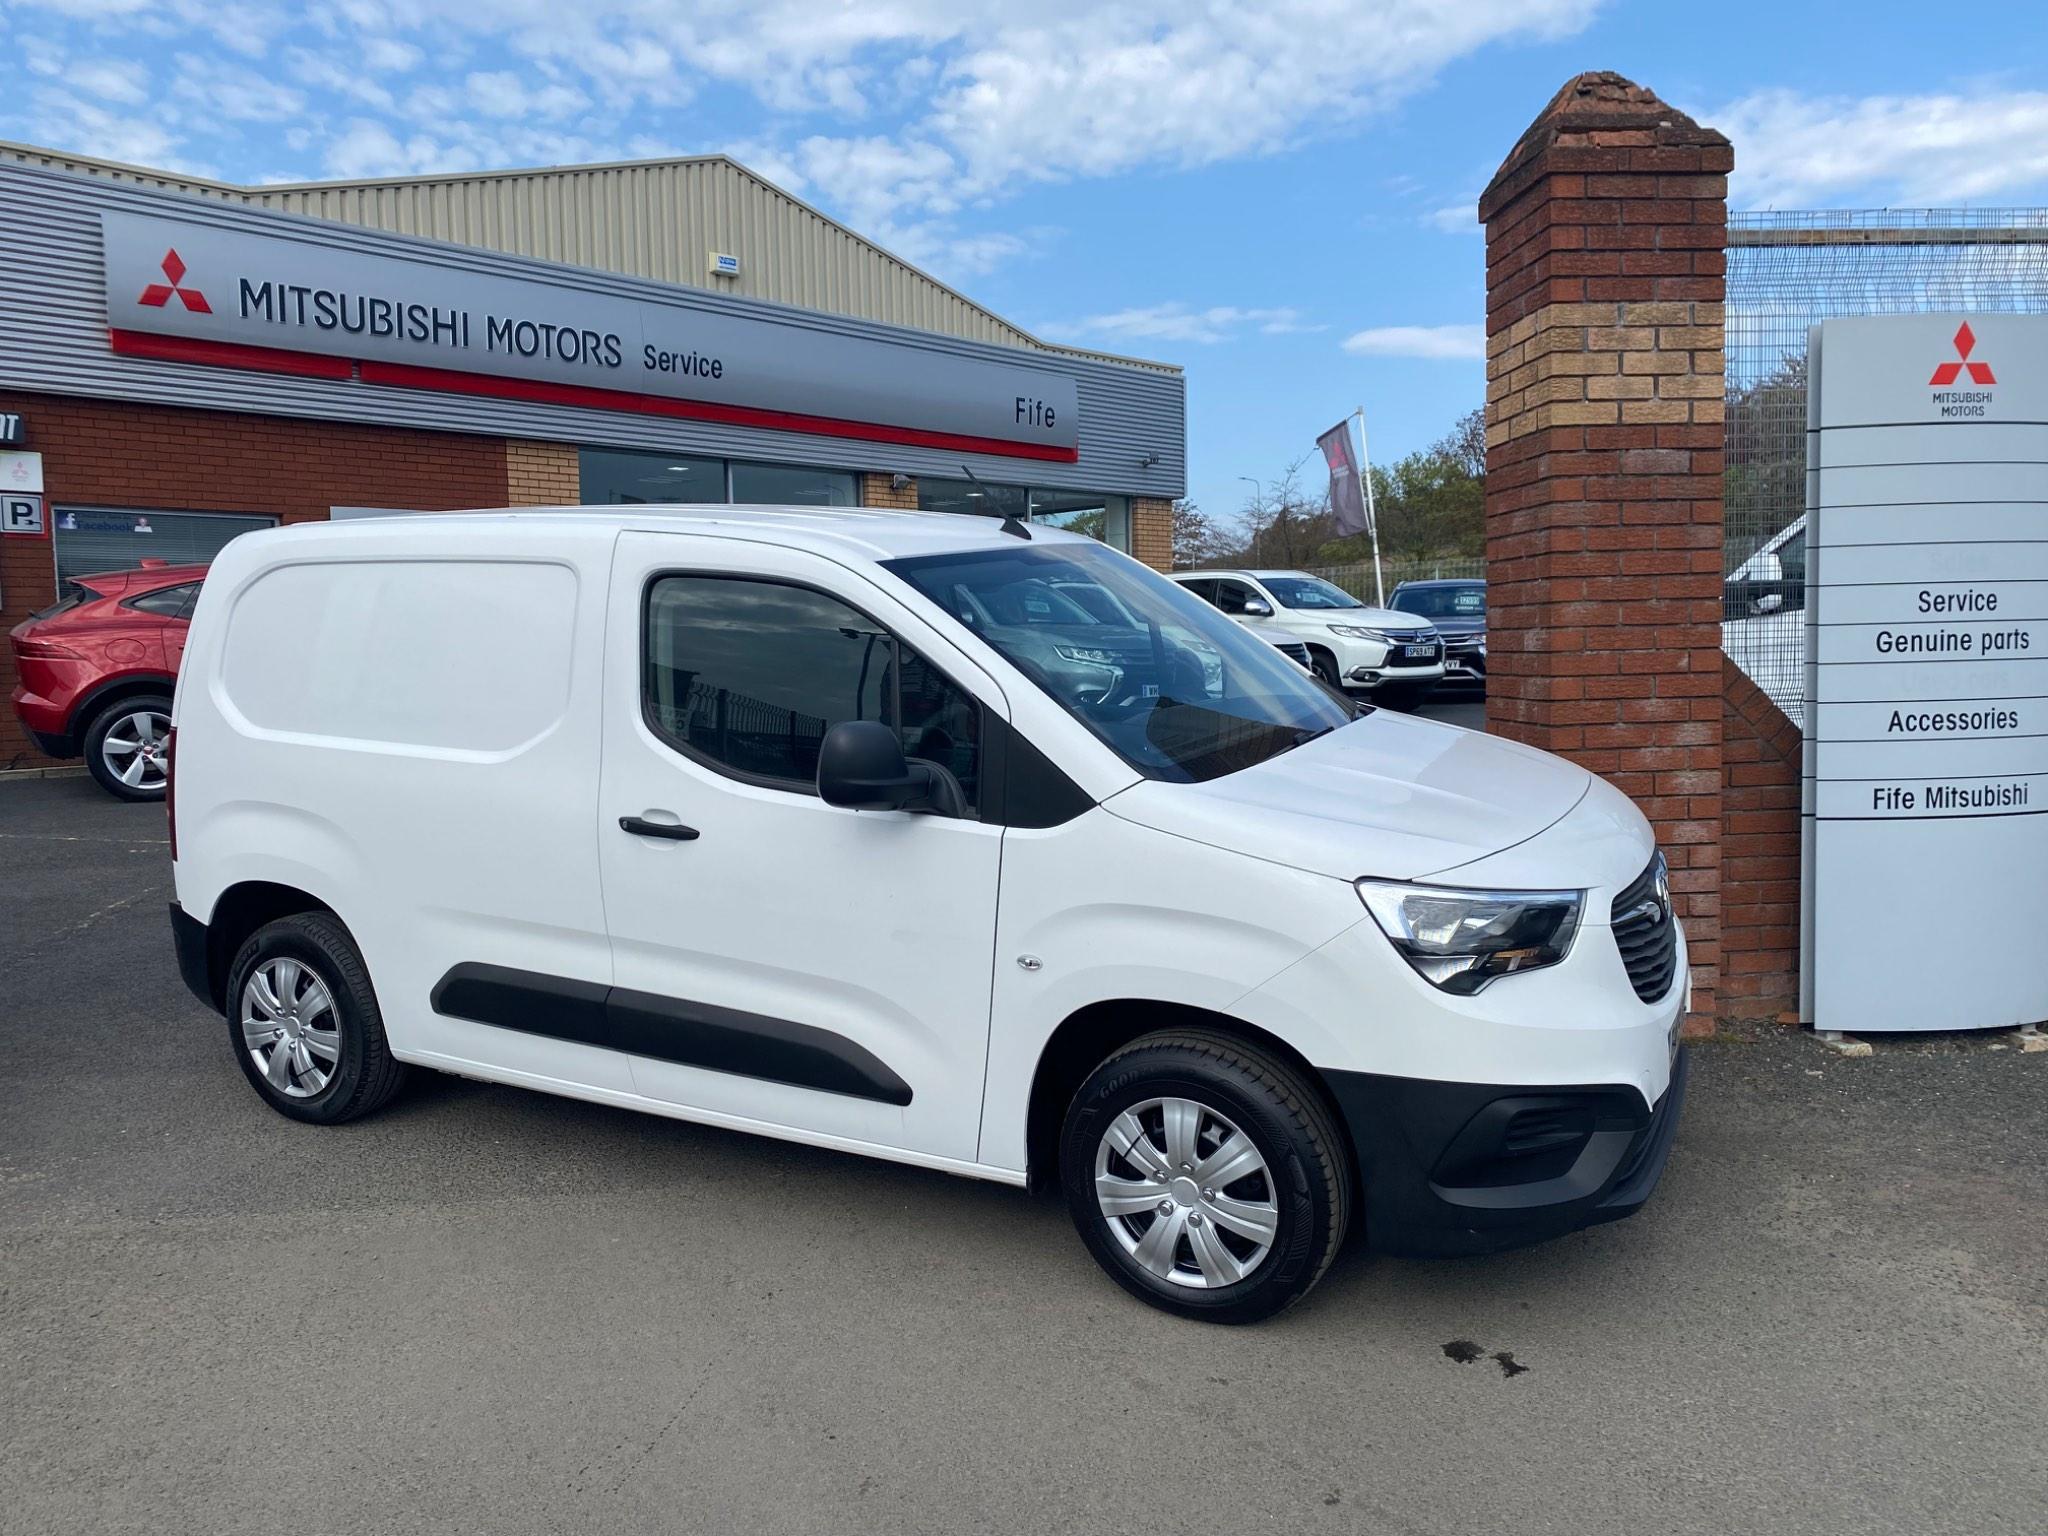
(96, 672)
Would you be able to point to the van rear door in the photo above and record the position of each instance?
(778, 960)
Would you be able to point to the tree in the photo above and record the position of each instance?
(1197, 540)
(1430, 504)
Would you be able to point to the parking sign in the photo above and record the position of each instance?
(22, 515)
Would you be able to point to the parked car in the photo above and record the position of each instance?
(1456, 605)
(1099, 602)
(1763, 618)
(96, 669)
(1396, 657)
(840, 830)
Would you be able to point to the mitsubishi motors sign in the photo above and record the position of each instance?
(1926, 767)
(227, 297)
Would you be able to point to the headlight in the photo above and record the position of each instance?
(1086, 653)
(1360, 632)
(1461, 940)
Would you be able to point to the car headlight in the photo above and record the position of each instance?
(1460, 940)
(1087, 654)
(1360, 632)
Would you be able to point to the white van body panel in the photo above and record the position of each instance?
(792, 909)
(372, 765)
(1391, 796)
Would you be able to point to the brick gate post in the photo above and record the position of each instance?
(1606, 229)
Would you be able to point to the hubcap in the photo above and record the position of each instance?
(1186, 1193)
(133, 748)
(290, 1028)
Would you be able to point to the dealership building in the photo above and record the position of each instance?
(184, 360)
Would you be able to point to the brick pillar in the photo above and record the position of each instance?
(877, 490)
(1152, 531)
(1605, 236)
(539, 474)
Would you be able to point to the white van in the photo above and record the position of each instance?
(835, 826)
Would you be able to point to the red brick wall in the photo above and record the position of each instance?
(1760, 762)
(1605, 230)
(100, 453)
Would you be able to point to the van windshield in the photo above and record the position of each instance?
(1172, 686)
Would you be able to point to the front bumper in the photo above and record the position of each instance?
(1462, 1168)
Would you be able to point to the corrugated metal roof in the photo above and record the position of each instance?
(658, 219)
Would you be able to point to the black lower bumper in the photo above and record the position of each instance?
(188, 935)
(52, 745)
(1458, 1168)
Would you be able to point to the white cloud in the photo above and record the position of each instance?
(905, 117)
(388, 53)
(1800, 151)
(501, 93)
(1183, 323)
(1424, 341)
(222, 90)
(90, 129)
(1455, 219)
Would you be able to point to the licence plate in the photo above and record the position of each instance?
(1419, 651)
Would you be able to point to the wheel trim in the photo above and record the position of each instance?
(290, 1028)
(1186, 1193)
(133, 748)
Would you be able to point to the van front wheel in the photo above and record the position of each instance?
(1205, 1176)
(304, 1024)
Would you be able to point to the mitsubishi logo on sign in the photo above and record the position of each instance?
(1946, 373)
(157, 295)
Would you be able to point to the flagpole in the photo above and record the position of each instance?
(1372, 521)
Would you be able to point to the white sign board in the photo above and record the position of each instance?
(1925, 895)
(22, 514)
(198, 292)
(21, 471)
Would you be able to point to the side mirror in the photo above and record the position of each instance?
(1767, 602)
(1769, 568)
(1256, 608)
(861, 767)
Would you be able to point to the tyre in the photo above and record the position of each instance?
(303, 1022)
(1205, 1177)
(1324, 665)
(126, 747)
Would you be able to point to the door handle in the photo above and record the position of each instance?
(640, 826)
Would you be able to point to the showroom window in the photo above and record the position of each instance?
(1107, 518)
(93, 539)
(613, 477)
(791, 485)
(748, 675)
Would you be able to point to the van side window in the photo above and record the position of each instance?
(747, 676)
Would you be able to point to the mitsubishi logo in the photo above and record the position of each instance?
(1980, 373)
(157, 295)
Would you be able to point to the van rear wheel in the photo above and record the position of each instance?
(1205, 1176)
(304, 1025)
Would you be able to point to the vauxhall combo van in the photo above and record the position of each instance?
(931, 837)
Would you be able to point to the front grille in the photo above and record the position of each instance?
(1646, 932)
(1295, 652)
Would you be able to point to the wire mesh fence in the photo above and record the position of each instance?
(1357, 578)
(1785, 272)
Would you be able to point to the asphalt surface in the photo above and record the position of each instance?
(489, 1311)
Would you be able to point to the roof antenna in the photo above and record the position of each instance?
(1010, 524)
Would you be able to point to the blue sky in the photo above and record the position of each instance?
(1276, 196)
